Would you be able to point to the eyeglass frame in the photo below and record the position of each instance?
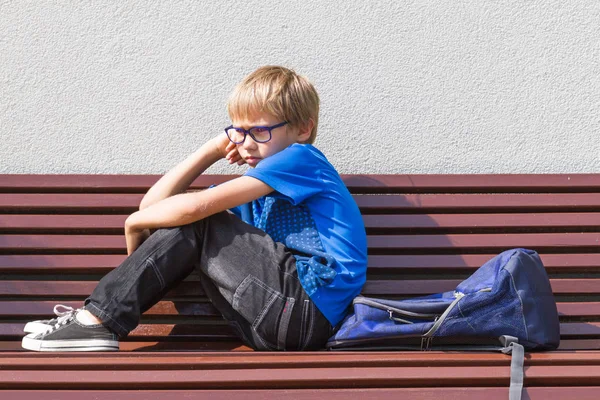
(247, 132)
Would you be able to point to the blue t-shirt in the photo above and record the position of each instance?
(312, 213)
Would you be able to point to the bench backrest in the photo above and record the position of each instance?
(59, 234)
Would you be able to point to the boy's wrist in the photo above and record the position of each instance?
(131, 223)
(218, 145)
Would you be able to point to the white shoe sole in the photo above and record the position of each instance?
(30, 343)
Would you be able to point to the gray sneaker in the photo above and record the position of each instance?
(42, 325)
(68, 334)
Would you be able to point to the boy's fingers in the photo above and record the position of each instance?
(230, 146)
(233, 155)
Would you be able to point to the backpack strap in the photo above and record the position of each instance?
(517, 362)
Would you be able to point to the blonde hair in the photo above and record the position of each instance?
(278, 91)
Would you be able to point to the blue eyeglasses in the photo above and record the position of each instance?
(260, 134)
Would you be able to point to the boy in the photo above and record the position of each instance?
(281, 250)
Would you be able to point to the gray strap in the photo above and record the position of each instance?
(516, 371)
(517, 363)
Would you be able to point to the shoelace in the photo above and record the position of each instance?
(62, 313)
(63, 317)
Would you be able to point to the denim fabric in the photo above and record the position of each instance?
(248, 277)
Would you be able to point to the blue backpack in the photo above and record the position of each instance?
(506, 305)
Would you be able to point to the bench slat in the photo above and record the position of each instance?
(478, 202)
(62, 203)
(409, 287)
(77, 288)
(236, 346)
(423, 287)
(43, 309)
(313, 377)
(13, 223)
(423, 182)
(482, 183)
(102, 263)
(176, 360)
(116, 243)
(464, 393)
(497, 241)
(155, 346)
(559, 262)
(221, 331)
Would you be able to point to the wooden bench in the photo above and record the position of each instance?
(59, 234)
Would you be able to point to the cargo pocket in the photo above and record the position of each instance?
(307, 324)
(266, 309)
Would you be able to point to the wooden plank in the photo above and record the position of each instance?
(538, 241)
(480, 221)
(572, 202)
(165, 308)
(314, 377)
(423, 182)
(61, 203)
(257, 394)
(479, 202)
(93, 183)
(146, 360)
(409, 287)
(43, 309)
(103, 263)
(156, 347)
(579, 344)
(77, 288)
(580, 310)
(481, 183)
(423, 287)
(60, 264)
(464, 393)
(426, 262)
(10, 223)
(214, 331)
(14, 223)
(580, 329)
(183, 331)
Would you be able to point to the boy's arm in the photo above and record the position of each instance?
(185, 208)
(178, 179)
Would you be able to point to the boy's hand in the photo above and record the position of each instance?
(134, 237)
(227, 149)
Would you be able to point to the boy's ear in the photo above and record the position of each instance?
(304, 130)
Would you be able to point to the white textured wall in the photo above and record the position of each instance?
(134, 86)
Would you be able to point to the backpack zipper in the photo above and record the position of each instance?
(392, 310)
(436, 325)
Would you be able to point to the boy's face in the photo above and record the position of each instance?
(282, 137)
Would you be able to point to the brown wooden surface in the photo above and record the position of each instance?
(410, 222)
(426, 233)
(450, 183)
(463, 393)
(316, 377)
(412, 287)
(41, 309)
(209, 346)
(576, 242)
(231, 360)
(102, 263)
(115, 203)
